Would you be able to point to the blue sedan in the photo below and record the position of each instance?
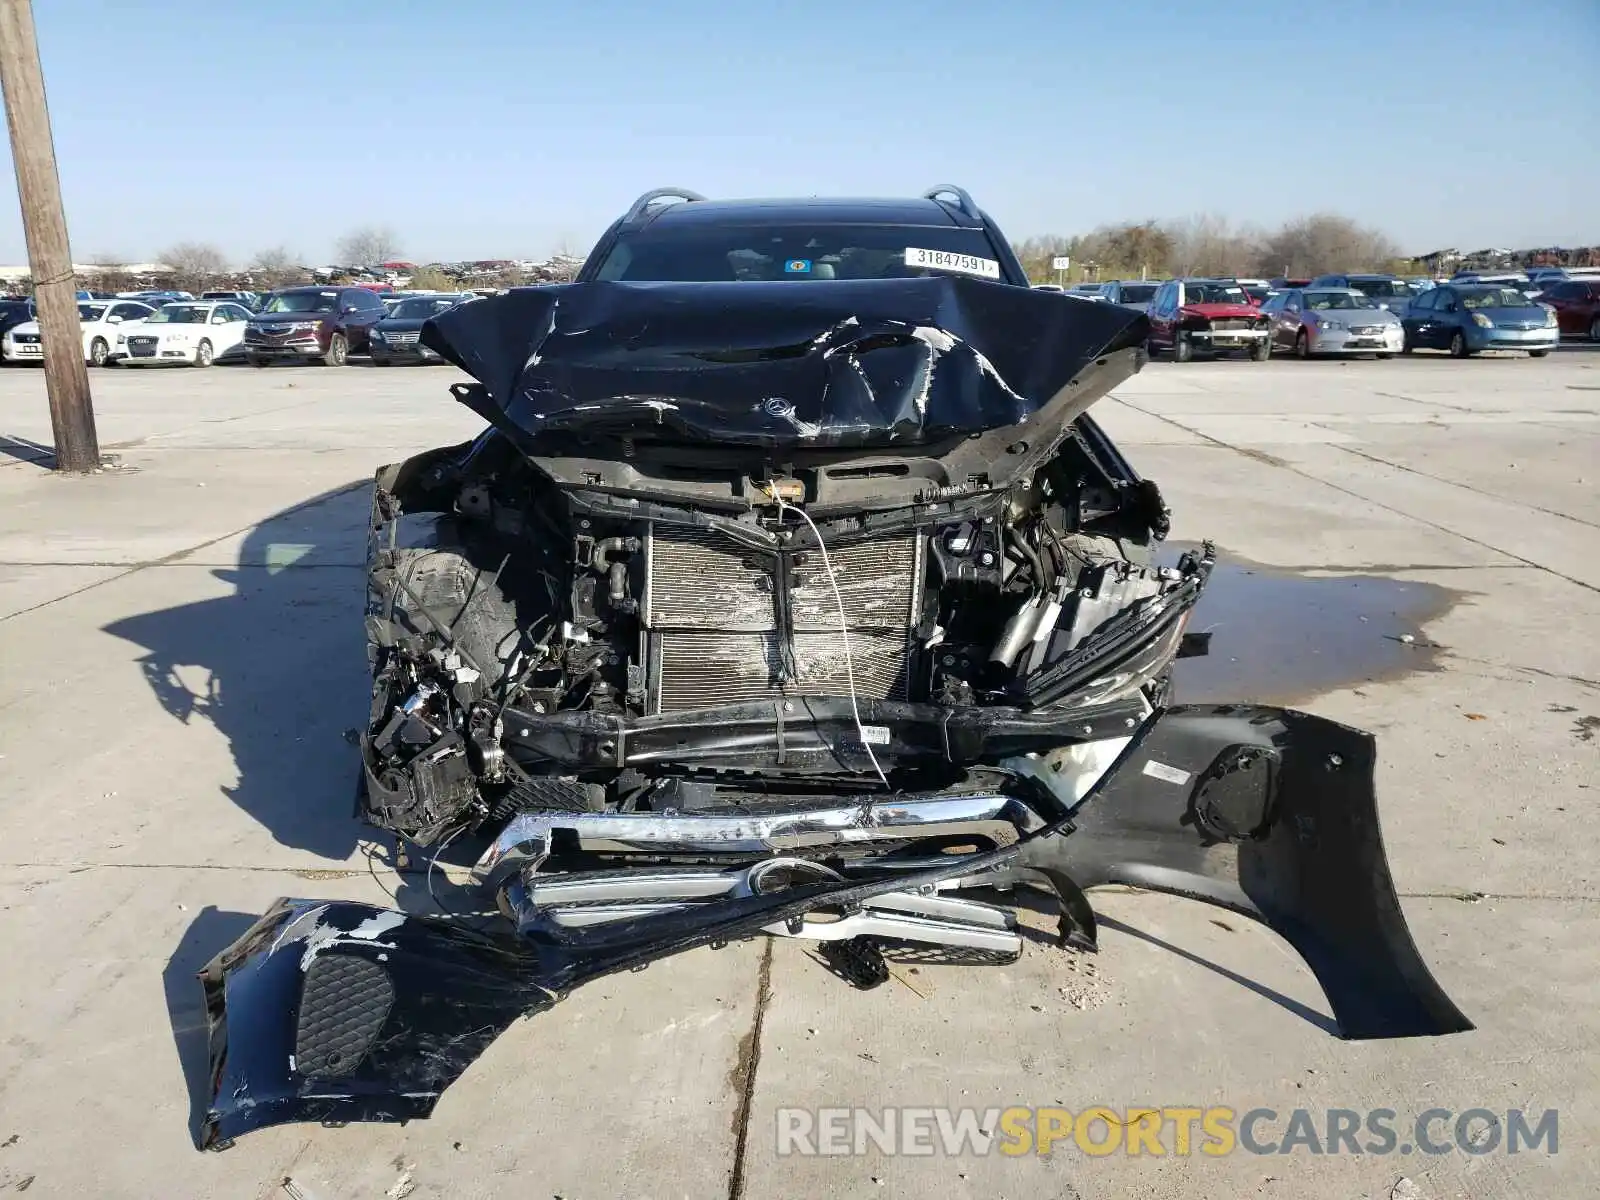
(1467, 318)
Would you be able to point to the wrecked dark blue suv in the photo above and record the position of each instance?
(789, 590)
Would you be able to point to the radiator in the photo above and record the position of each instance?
(711, 604)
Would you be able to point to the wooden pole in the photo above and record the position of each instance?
(45, 226)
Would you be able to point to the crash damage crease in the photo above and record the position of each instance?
(603, 634)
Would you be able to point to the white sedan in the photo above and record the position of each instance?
(104, 323)
(190, 332)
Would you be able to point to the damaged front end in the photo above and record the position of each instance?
(800, 613)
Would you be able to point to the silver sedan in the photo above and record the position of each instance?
(1332, 321)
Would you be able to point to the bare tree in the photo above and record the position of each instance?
(275, 267)
(106, 273)
(1209, 244)
(1322, 242)
(1120, 251)
(1036, 254)
(368, 246)
(431, 279)
(194, 264)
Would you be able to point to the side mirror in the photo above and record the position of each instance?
(113, 320)
(219, 319)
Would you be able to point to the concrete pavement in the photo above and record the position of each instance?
(180, 651)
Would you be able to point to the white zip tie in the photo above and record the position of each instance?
(844, 630)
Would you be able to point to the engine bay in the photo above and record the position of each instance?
(534, 600)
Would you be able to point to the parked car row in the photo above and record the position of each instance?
(101, 323)
(1358, 313)
(303, 324)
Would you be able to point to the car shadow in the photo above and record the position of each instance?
(277, 665)
(207, 934)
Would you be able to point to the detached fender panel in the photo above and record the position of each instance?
(1272, 813)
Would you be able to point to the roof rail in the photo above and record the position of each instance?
(636, 210)
(963, 200)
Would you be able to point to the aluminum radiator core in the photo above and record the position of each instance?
(710, 603)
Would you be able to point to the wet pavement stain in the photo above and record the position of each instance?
(1282, 637)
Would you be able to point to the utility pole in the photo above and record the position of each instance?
(55, 291)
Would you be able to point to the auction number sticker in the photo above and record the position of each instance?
(944, 260)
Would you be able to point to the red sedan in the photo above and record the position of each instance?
(1577, 305)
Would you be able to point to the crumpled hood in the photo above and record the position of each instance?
(836, 363)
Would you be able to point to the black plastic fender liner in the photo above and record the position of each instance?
(336, 1011)
(1271, 813)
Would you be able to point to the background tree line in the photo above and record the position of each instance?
(1210, 244)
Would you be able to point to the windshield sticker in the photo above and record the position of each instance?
(797, 266)
(944, 260)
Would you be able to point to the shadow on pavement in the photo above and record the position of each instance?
(1027, 897)
(278, 666)
(25, 450)
(1322, 1021)
(208, 933)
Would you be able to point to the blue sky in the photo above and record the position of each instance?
(488, 128)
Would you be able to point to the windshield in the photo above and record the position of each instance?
(1322, 300)
(1214, 293)
(1381, 288)
(180, 314)
(91, 312)
(1493, 297)
(421, 307)
(303, 302)
(751, 253)
(1137, 293)
(1256, 292)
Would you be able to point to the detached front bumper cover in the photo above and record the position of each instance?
(335, 1011)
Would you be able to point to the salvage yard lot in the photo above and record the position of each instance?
(181, 650)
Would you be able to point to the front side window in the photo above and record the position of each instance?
(767, 253)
